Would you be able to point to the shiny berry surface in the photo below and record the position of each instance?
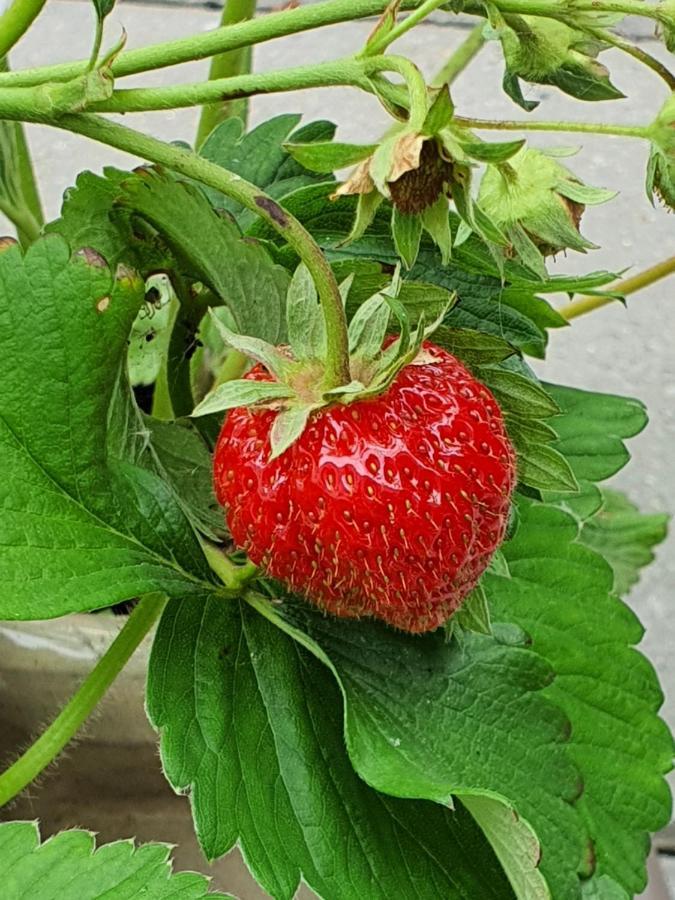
(390, 507)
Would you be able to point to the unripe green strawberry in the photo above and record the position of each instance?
(388, 507)
(661, 167)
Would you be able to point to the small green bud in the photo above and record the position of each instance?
(546, 51)
(535, 195)
(661, 166)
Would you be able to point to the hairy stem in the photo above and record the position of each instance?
(628, 286)
(16, 20)
(341, 72)
(220, 40)
(187, 163)
(27, 227)
(227, 65)
(63, 728)
(461, 57)
(415, 17)
(561, 9)
(98, 40)
(636, 131)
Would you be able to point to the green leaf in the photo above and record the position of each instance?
(512, 88)
(560, 593)
(261, 157)
(603, 888)
(453, 721)
(592, 429)
(475, 348)
(288, 426)
(474, 613)
(241, 392)
(624, 536)
(151, 333)
(183, 459)
(515, 844)
(328, 156)
(406, 230)
(257, 741)
(83, 525)
(250, 285)
(518, 395)
(304, 317)
(69, 865)
(89, 218)
(436, 221)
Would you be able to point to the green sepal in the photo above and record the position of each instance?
(304, 317)
(274, 361)
(436, 221)
(519, 395)
(585, 79)
(528, 252)
(511, 87)
(383, 28)
(407, 233)
(543, 467)
(287, 427)
(366, 207)
(368, 327)
(327, 156)
(474, 613)
(440, 113)
(486, 152)
(242, 392)
(584, 193)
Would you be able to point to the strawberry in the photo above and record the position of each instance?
(388, 505)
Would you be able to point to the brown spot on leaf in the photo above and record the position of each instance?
(92, 257)
(273, 210)
(102, 304)
(7, 242)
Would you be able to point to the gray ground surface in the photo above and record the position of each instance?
(615, 350)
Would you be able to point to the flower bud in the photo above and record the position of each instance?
(661, 166)
(535, 196)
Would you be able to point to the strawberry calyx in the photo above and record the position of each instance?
(298, 385)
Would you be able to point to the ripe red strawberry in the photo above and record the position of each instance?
(388, 507)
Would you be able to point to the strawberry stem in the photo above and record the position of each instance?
(628, 286)
(52, 741)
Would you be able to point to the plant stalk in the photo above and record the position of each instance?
(340, 72)
(636, 131)
(636, 52)
(220, 40)
(461, 57)
(50, 744)
(16, 20)
(628, 286)
(415, 17)
(228, 65)
(188, 163)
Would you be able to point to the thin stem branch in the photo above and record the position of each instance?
(417, 88)
(188, 163)
(340, 72)
(636, 52)
(560, 9)
(415, 17)
(220, 40)
(50, 744)
(16, 20)
(98, 40)
(636, 131)
(228, 65)
(461, 57)
(27, 227)
(628, 286)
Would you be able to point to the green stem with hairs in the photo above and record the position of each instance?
(341, 72)
(427, 7)
(628, 286)
(52, 741)
(220, 40)
(27, 227)
(16, 20)
(561, 9)
(188, 163)
(635, 131)
(228, 65)
(461, 57)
